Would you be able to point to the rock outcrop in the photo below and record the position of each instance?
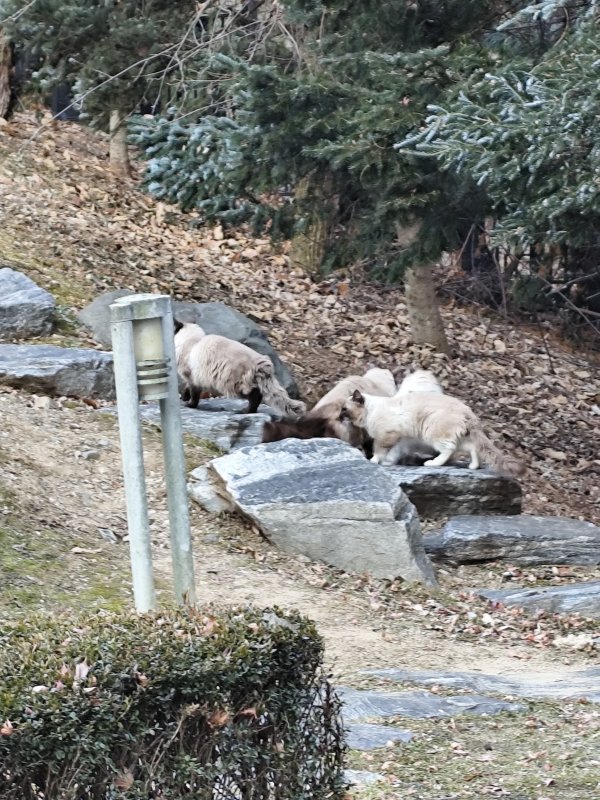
(25, 308)
(58, 371)
(443, 491)
(523, 539)
(321, 498)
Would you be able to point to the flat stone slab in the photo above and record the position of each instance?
(522, 539)
(581, 598)
(220, 421)
(360, 704)
(365, 736)
(361, 777)
(445, 491)
(25, 308)
(584, 684)
(58, 371)
(321, 498)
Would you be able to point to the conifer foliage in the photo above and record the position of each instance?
(114, 55)
(323, 113)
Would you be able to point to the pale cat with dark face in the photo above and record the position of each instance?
(420, 409)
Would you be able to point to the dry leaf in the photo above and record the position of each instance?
(219, 718)
(124, 781)
(7, 728)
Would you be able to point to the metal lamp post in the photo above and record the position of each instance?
(145, 369)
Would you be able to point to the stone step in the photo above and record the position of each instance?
(523, 539)
(445, 491)
(579, 684)
(581, 598)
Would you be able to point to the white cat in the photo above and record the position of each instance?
(442, 422)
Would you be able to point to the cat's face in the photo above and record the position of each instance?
(354, 410)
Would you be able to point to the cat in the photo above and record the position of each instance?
(229, 368)
(442, 422)
(420, 380)
(325, 418)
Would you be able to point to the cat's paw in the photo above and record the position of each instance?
(431, 463)
(374, 459)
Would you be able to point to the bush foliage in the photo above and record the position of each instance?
(179, 704)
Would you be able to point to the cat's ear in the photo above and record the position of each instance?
(177, 325)
(358, 398)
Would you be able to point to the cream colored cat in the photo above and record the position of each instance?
(443, 422)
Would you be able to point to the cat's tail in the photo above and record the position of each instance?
(275, 395)
(303, 428)
(494, 457)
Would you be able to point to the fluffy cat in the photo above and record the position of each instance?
(324, 419)
(440, 421)
(229, 368)
(420, 380)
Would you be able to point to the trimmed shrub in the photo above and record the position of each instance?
(204, 704)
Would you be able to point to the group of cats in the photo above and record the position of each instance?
(413, 423)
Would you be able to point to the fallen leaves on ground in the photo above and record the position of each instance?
(79, 232)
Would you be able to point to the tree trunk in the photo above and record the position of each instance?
(423, 312)
(5, 75)
(118, 152)
(308, 248)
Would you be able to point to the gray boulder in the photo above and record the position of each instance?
(523, 539)
(213, 317)
(580, 598)
(96, 316)
(60, 371)
(321, 498)
(583, 684)
(221, 421)
(443, 491)
(25, 309)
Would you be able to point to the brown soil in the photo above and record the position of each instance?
(61, 474)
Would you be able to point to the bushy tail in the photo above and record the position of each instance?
(275, 395)
(304, 428)
(494, 457)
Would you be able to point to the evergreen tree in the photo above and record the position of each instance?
(114, 53)
(325, 119)
(525, 130)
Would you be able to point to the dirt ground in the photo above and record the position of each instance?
(63, 495)
(67, 223)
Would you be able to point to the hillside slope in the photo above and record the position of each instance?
(67, 223)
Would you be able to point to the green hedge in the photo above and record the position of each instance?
(204, 704)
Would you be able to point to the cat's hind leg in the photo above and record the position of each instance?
(446, 450)
(469, 446)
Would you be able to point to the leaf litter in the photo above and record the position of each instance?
(69, 224)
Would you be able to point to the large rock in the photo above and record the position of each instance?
(444, 491)
(60, 371)
(96, 316)
(213, 317)
(25, 309)
(584, 684)
(581, 598)
(360, 704)
(323, 499)
(522, 539)
(221, 421)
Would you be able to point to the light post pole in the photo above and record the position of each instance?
(145, 369)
